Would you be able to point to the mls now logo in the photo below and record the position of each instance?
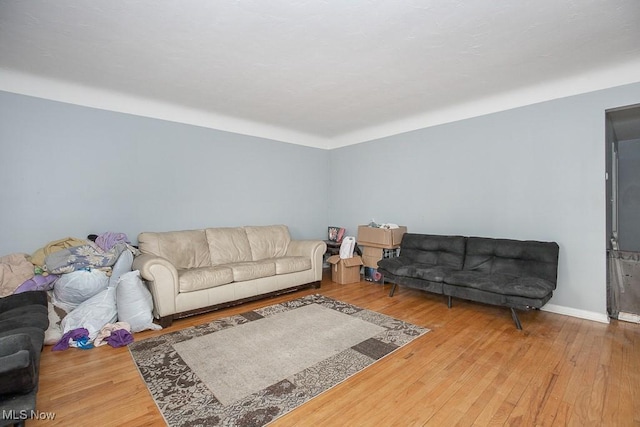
(26, 415)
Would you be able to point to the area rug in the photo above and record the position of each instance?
(250, 369)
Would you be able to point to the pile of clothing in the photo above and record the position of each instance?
(94, 297)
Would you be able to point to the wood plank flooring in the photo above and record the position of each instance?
(473, 368)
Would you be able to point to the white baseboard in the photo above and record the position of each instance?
(574, 312)
(629, 317)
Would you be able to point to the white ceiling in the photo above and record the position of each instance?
(319, 73)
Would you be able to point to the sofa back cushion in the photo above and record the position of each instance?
(184, 249)
(228, 245)
(445, 251)
(514, 257)
(270, 241)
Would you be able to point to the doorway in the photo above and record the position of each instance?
(623, 212)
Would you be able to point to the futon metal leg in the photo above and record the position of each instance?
(393, 289)
(449, 302)
(515, 318)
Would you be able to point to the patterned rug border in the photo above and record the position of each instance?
(184, 400)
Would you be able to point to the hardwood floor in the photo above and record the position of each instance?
(473, 368)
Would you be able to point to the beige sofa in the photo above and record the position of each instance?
(193, 271)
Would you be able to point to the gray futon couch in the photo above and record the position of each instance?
(23, 322)
(512, 273)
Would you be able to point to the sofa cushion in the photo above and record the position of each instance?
(268, 241)
(243, 271)
(446, 251)
(291, 264)
(195, 279)
(503, 284)
(227, 245)
(184, 249)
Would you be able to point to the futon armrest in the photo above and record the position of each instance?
(18, 370)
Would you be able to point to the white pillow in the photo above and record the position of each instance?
(135, 304)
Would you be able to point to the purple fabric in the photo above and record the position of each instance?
(73, 334)
(38, 283)
(119, 338)
(108, 240)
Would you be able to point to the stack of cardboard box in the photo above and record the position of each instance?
(376, 244)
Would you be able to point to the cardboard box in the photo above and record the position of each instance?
(345, 270)
(371, 255)
(388, 238)
(370, 261)
(371, 251)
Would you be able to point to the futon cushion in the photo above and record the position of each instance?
(23, 310)
(530, 287)
(24, 298)
(514, 257)
(503, 284)
(446, 251)
(433, 274)
(36, 319)
(405, 268)
(400, 266)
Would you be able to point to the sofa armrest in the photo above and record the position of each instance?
(18, 358)
(162, 279)
(314, 249)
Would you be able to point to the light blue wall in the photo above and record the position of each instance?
(536, 172)
(69, 171)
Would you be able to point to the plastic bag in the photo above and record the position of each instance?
(135, 304)
(93, 314)
(347, 247)
(74, 288)
(122, 266)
